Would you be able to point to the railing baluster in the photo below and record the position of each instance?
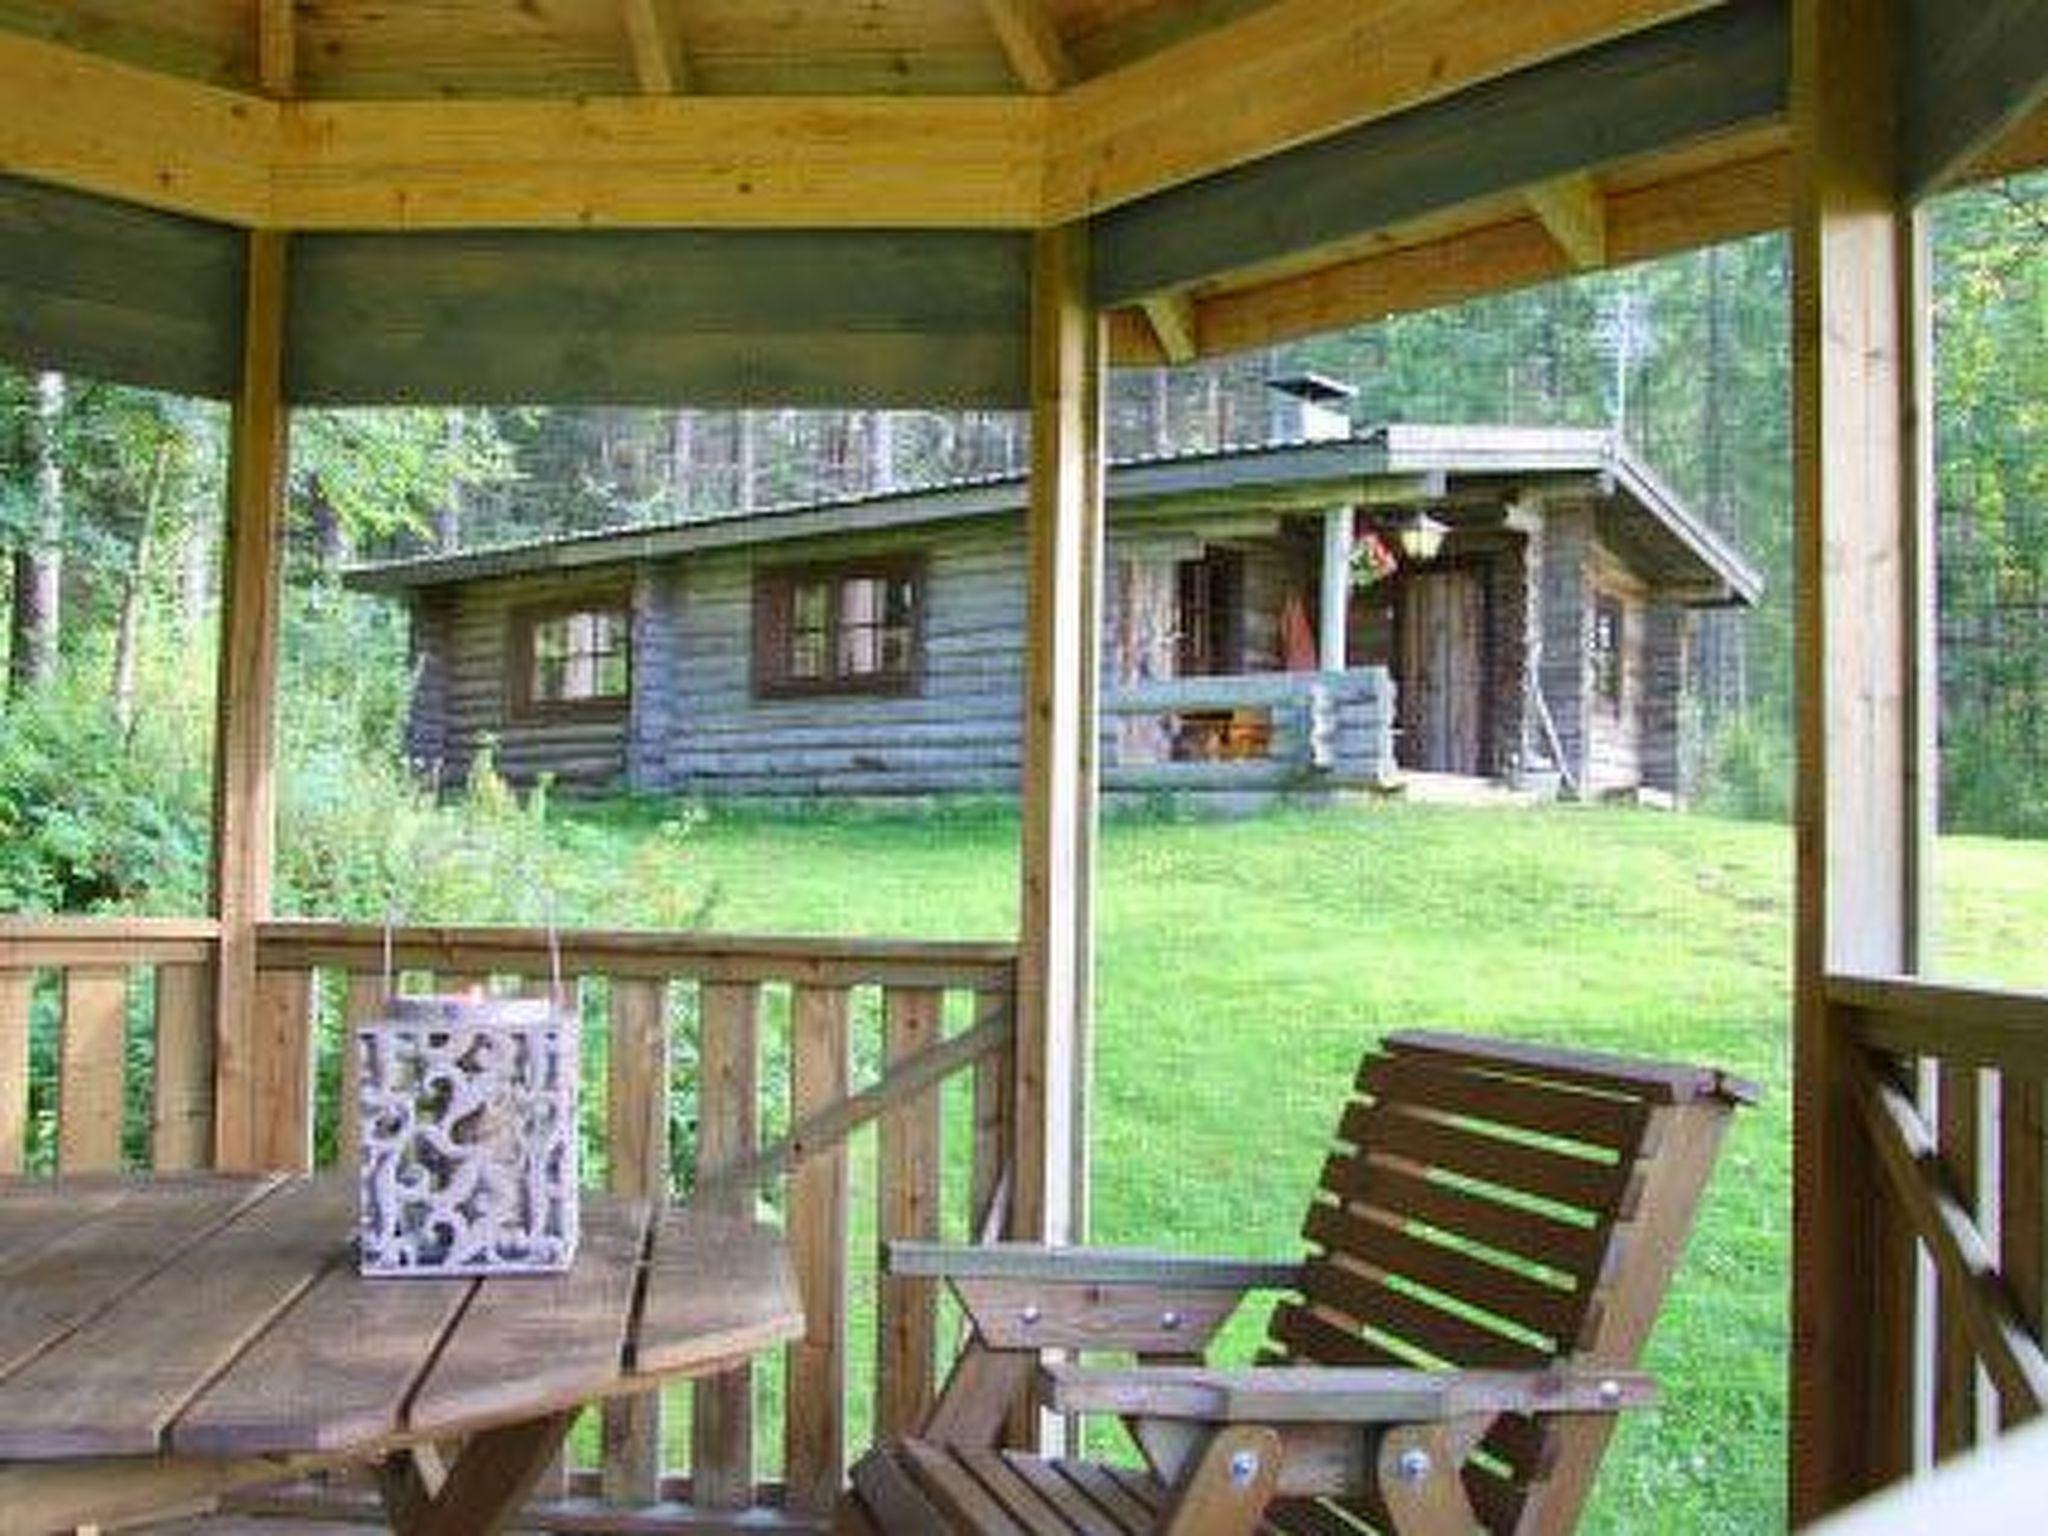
(728, 1126)
(364, 1001)
(992, 1110)
(2023, 1205)
(92, 1058)
(909, 1192)
(814, 1425)
(181, 1129)
(1955, 1361)
(636, 1120)
(281, 1087)
(17, 995)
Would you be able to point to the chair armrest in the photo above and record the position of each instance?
(1022, 1296)
(1087, 1266)
(1335, 1395)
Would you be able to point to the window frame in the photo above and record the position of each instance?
(526, 620)
(774, 603)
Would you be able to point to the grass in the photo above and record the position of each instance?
(1244, 965)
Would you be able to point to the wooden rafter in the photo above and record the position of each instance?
(660, 61)
(1574, 210)
(1037, 54)
(1298, 70)
(1172, 318)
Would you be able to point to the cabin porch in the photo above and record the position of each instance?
(1922, 1212)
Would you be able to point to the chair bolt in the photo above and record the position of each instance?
(1244, 1466)
(1170, 1321)
(1610, 1391)
(1413, 1466)
(1031, 1315)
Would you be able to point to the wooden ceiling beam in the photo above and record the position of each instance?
(1723, 203)
(88, 123)
(660, 61)
(1971, 73)
(1037, 53)
(702, 161)
(1574, 210)
(1676, 85)
(1300, 69)
(277, 48)
(1172, 318)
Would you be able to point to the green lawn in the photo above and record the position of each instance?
(1245, 964)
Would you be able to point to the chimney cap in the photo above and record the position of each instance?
(1314, 389)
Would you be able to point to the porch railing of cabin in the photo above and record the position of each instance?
(1949, 1088)
(742, 1071)
(1256, 730)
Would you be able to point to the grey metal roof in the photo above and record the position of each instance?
(1387, 463)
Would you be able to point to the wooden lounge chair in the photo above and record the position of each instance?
(1488, 1250)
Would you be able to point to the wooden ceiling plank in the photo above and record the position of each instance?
(277, 48)
(659, 59)
(1574, 210)
(1173, 321)
(1033, 44)
(1972, 73)
(1300, 69)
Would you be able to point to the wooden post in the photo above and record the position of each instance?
(246, 713)
(1336, 600)
(1859, 359)
(1063, 531)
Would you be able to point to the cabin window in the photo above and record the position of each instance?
(850, 628)
(572, 658)
(1608, 634)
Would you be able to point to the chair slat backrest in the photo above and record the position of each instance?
(1497, 1205)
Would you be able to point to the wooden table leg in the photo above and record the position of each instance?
(482, 1489)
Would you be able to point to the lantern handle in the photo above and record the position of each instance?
(390, 944)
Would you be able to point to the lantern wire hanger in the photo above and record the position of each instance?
(550, 918)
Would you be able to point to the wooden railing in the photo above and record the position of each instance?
(727, 1071)
(1947, 1087)
(1252, 731)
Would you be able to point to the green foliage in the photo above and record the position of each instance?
(91, 820)
(1747, 770)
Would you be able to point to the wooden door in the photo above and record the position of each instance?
(1441, 677)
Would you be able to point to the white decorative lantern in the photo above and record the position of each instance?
(469, 1136)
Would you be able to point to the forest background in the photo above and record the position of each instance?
(110, 521)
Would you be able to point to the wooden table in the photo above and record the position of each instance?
(165, 1340)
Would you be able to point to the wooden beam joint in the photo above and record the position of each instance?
(1573, 210)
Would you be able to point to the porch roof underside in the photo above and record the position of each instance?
(1466, 474)
(1249, 173)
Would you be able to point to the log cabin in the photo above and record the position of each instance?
(1310, 615)
(983, 203)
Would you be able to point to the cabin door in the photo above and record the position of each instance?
(1440, 680)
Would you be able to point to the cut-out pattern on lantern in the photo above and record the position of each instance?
(469, 1136)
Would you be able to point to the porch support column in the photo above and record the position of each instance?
(1864, 591)
(1063, 537)
(1334, 641)
(245, 721)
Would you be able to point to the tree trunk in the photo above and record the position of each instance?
(39, 563)
(881, 451)
(682, 458)
(746, 488)
(128, 626)
(448, 516)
